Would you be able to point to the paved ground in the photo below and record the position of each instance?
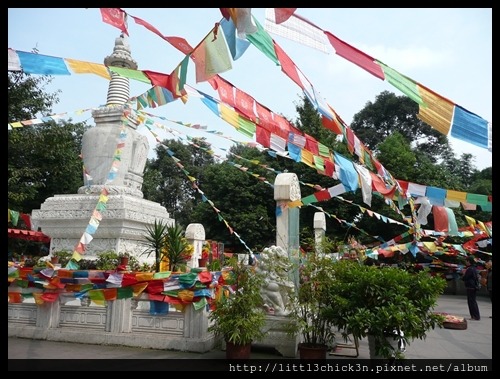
(473, 343)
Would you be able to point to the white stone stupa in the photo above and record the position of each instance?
(65, 218)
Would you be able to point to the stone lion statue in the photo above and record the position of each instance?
(274, 264)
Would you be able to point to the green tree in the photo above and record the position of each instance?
(390, 113)
(43, 159)
(28, 97)
(167, 183)
(245, 203)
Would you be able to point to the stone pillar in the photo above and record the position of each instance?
(319, 230)
(119, 316)
(287, 189)
(49, 314)
(195, 235)
(195, 322)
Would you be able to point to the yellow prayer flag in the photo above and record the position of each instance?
(431, 246)
(456, 196)
(76, 256)
(139, 288)
(229, 115)
(38, 298)
(81, 67)
(439, 111)
(295, 204)
(483, 228)
(307, 158)
(471, 221)
(180, 307)
(186, 295)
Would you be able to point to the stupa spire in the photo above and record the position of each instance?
(119, 87)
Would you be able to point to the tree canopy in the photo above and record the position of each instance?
(43, 159)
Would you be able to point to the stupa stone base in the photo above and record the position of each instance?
(65, 218)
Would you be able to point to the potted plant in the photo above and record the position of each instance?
(390, 306)
(124, 258)
(176, 250)
(154, 240)
(61, 257)
(107, 260)
(307, 305)
(236, 313)
(205, 255)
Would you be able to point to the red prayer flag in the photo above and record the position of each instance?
(283, 126)
(147, 26)
(225, 13)
(322, 195)
(205, 277)
(128, 279)
(287, 65)
(14, 297)
(329, 168)
(378, 185)
(26, 219)
(333, 125)
(156, 297)
(225, 90)
(404, 185)
(311, 144)
(180, 44)
(264, 113)
(283, 14)
(155, 287)
(245, 104)
(109, 293)
(441, 221)
(262, 136)
(115, 17)
(355, 56)
(49, 296)
(157, 78)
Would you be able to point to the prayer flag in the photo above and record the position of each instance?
(177, 78)
(211, 56)
(355, 56)
(42, 64)
(115, 17)
(81, 67)
(237, 46)
(263, 41)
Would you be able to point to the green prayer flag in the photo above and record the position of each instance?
(96, 295)
(246, 127)
(263, 41)
(200, 304)
(87, 287)
(309, 199)
(124, 292)
(22, 283)
(403, 83)
(188, 277)
(162, 274)
(171, 293)
(131, 74)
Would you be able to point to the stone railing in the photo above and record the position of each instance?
(127, 322)
(119, 322)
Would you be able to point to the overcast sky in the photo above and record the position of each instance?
(447, 50)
